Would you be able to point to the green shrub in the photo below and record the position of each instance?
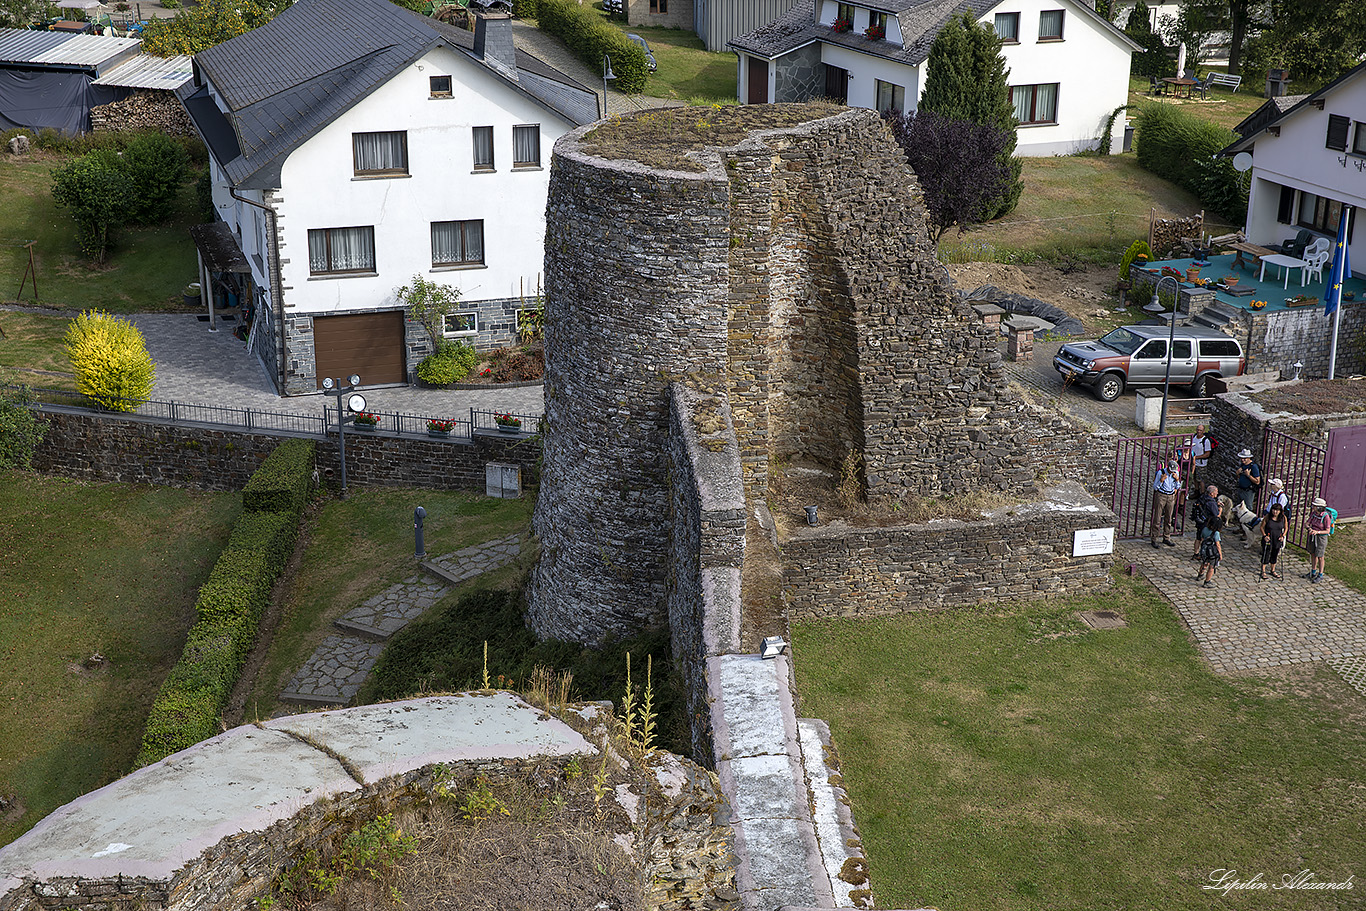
(526, 9)
(1137, 247)
(1173, 143)
(450, 363)
(97, 191)
(156, 164)
(110, 359)
(20, 430)
(283, 481)
(1222, 188)
(591, 39)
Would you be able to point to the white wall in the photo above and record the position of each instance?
(1091, 65)
(1299, 158)
(320, 190)
(865, 70)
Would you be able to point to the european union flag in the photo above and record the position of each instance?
(1342, 269)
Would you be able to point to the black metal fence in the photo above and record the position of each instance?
(392, 423)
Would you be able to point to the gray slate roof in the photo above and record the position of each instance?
(921, 22)
(284, 81)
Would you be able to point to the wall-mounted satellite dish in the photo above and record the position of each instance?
(1242, 162)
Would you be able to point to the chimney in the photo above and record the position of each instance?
(493, 35)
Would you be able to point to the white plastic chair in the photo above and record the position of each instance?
(1316, 261)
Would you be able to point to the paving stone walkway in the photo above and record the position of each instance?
(334, 673)
(1243, 625)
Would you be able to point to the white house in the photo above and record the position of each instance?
(354, 145)
(1069, 67)
(1308, 162)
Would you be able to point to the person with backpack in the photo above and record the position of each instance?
(1202, 444)
(1202, 507)
(1211, 549)
(1276, 497)
(1166, 483)
(1322, 523)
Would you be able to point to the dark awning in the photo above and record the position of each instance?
(218, 246)
(212, 125)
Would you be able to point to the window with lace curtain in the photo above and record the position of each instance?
(333, 251)
(526, 146)
(458, 243)
(380, 154)
(1035, 103)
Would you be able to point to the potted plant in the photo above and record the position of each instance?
(1169, 272)
(439, 428)
(842, 25)
(1230, 281)
(1301, 300)
(1257, 305)
(366, 421)
(190, 294)
(1192, 273)
(507, 423)
(875, 32)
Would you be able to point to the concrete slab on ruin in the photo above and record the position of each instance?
(155, 820)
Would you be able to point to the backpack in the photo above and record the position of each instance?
(1209, 548)
(1332, 514)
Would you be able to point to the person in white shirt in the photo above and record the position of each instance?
(1201, 447)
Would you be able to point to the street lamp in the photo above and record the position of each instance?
(607, 76)
(1171, 339)
(355, 402)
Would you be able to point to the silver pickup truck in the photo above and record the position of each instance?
(1137, 356)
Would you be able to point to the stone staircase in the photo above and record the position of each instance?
(1218, 315)
(334, 673)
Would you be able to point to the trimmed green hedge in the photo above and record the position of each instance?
(283, 480)
(591, 38)
(229, 607)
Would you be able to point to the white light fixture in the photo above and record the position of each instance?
(356, 402)
(772, 647)
(353, 379)
(1299, 365)
(327, 382)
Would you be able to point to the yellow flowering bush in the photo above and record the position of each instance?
(110, 359)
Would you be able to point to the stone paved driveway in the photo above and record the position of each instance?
(1242, 624)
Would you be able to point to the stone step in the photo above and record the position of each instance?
(386, 613)
(334, 673)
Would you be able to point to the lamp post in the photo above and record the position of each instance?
(1171, 339)
(607, 76)
(354, 401)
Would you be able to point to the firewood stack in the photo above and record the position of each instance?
(144, 110)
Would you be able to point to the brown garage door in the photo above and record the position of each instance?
(368, 344)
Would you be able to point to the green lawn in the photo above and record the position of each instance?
(687, 70)
(146, 270)
(32, 350)
(111, 569)
(360, 546)
(1010, 758)
(1080, 205)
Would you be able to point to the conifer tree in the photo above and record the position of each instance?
(966, 79)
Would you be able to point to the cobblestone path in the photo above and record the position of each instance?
(334, 673)
(1242, 624)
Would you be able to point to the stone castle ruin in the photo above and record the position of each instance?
(774, 260)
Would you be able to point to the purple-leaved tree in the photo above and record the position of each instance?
(959, 163)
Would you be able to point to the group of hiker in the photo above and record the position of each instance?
(1216, 514)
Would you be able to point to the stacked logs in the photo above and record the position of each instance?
(150, 109)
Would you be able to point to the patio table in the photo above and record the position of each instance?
(1254, 250)
(1179, 83)
(1287, 263)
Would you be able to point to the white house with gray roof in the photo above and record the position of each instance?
(353, 145)
(1068, 66)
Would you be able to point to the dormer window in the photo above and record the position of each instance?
(877, 26)
(844, 17)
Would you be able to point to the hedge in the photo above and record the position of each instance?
(230, 604)
(282, 482)
(591, 38)
(1180, 147)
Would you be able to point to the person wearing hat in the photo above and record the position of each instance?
(1320, 527)
(1249, 480)
(1201, 446)
(1277, 498)
(1166, 483)
(1185, 463)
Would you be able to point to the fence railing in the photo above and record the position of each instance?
(393, 423)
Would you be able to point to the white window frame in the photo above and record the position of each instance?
(469, 318)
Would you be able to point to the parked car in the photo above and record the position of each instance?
(1137, 356)
(614, 7)
(644, 46)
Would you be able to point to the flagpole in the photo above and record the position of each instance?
(1337, 311)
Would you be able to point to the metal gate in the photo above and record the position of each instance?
(1136, 462)
(1300, 466)
(1344, 481)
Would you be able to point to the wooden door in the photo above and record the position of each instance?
(758, 81)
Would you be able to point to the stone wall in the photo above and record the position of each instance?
(634, 297)
(707, 544)
(1020, 553)
(681, 843)
(139, 450)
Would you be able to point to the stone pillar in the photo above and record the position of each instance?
(1020, 344)
(1148, 409)
(989, 314)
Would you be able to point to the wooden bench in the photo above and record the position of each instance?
(1256, 251)
(1227, 80)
